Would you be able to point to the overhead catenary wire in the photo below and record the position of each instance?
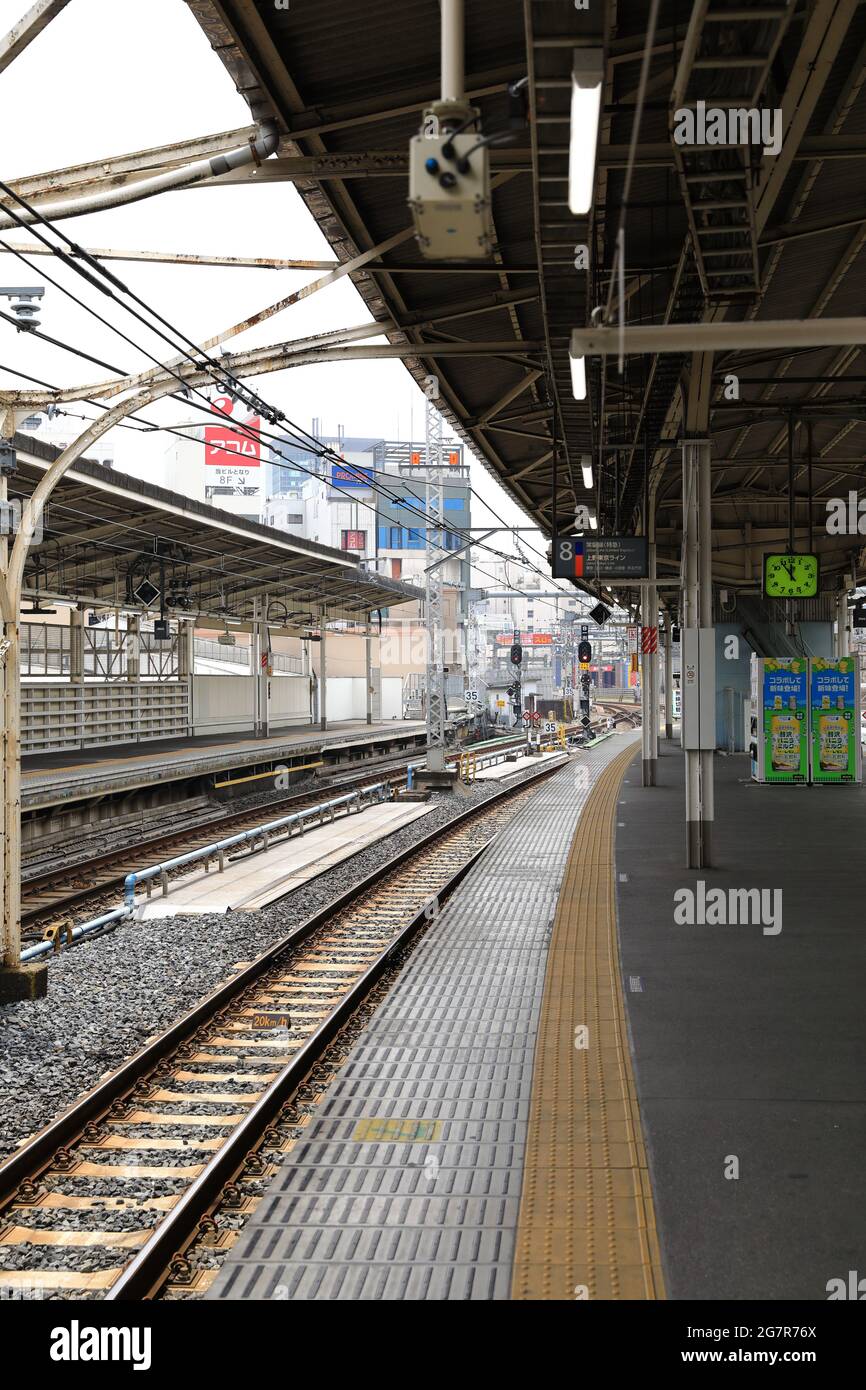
(251, 398)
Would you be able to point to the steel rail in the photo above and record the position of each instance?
(31, 1160)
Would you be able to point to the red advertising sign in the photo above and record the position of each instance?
(225, 447)
(527, 639)
(354, 540)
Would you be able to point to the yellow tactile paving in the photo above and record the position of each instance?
(587, 1224)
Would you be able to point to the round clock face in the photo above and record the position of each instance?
(791, 576)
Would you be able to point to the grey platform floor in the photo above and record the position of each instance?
(435, 1216)
(51, 778)
(750, 1045)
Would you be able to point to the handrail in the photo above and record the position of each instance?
(379, 792)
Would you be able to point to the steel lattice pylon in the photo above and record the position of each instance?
(435, 621)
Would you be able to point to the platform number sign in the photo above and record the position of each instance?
(567, 557)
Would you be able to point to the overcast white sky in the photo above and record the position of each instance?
(92, 86)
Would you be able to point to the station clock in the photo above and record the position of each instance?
(791, 575)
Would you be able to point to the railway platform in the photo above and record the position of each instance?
(63, 777)
(571, 1094)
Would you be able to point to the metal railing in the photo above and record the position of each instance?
(356, 800)
(262, 833)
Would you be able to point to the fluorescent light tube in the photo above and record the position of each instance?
(578, 377)
(586, 82)
(593, 521)
(586, 470)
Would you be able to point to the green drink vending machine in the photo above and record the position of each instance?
(834, 698)
(779, 723)
(779, 731)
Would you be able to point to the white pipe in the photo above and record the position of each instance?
(453, 51)
(160, 183)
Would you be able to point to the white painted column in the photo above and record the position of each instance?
(323, 673)
(697, 613)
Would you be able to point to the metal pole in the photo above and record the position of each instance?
(368, 663)
(697, 612)
(669, 677)
(323, 673)
(705, 552)
(453, 57)
(434, 595)
(649, 661)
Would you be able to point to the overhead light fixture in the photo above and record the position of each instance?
(593, 521)
(587, 77)
(586, 470)
(749, 335)
(578, 377)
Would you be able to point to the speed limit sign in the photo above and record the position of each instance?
(549, 728)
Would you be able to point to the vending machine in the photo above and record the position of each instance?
(834, 700)
(778, 719)
(804, 720)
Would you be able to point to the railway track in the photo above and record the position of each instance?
(48, 897)
(45, 895)
(103, 1202)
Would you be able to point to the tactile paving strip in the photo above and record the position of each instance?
(451, 1048)
(587, 1225)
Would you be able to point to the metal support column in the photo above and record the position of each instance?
(434, 596)
(669, 677)
(76, 646)
(323, 672)
(697, 613)
(186, 666)
(368, 664)
(261, 667)
(649, 662)
(133, 648)
(842, 634)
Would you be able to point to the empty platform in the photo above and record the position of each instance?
(749, 1038)
(52, 779)
(407, 1182)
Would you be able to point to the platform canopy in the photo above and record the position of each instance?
(772, 234)
(111, 539)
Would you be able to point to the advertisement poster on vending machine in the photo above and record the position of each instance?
(786, 743)
(834, 719)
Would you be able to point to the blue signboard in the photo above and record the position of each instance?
(348, 475)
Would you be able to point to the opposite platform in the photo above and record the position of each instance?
(50, 779)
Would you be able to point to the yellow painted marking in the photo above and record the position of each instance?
(397, 1131)
(23, 1235)
(586, 1224)
(274, 772)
